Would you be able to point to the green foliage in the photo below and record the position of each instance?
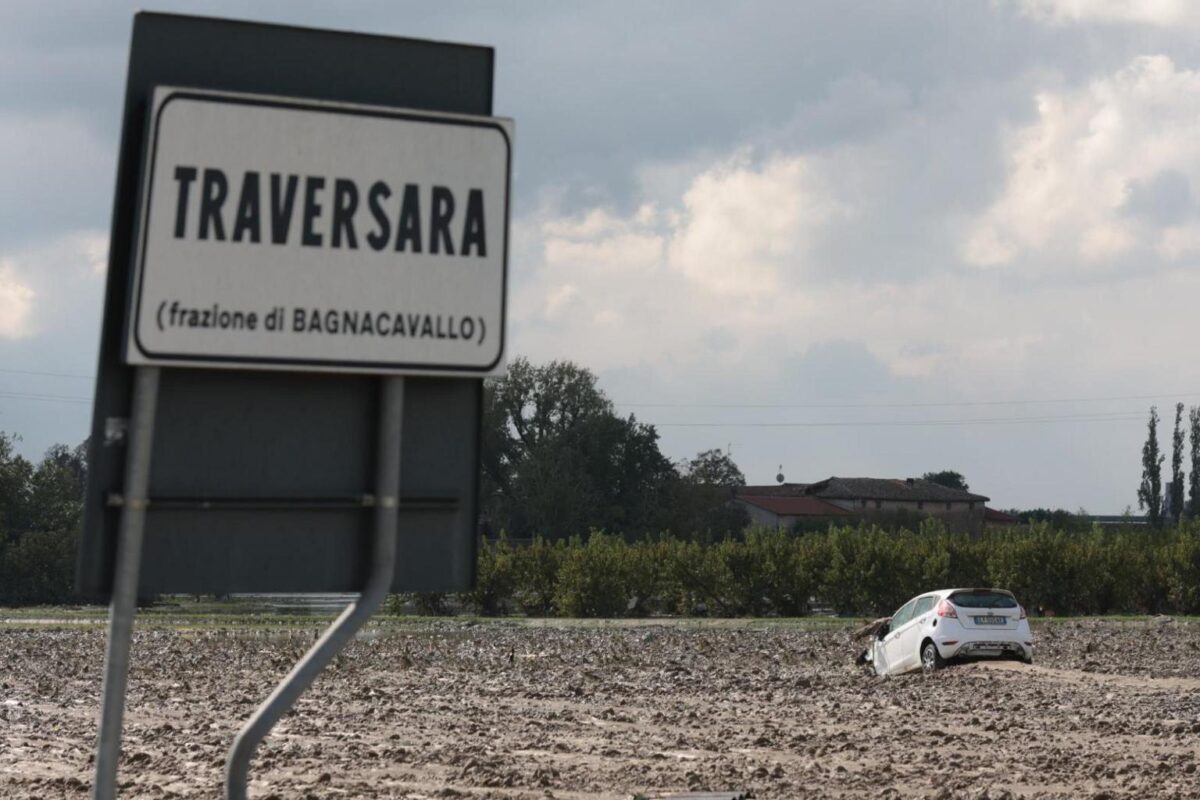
(38, 568)
(40, 514)
(557, 459)
(1150, 490)
(1182, 568)
(864, 569)
(948, 478)
(535, 569)
(1039, 565)
(426, 604)
(1194, 476)
(699, 497)
(605, 577)
(1058, 518)
(1177, 488)
(495, 578)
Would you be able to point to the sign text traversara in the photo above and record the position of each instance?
(323, 236)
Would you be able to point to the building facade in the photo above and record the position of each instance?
(870, 499)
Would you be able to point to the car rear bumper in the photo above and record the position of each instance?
(995, 644)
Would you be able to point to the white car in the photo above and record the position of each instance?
(951, 625)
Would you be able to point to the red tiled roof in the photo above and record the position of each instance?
(794, 506)
(772, 490)
(992, 515)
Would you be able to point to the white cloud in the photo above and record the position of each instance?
(652, 285)
(16, 300)
(49, 282)
(723, 276)
(1105, 171)
(1166, 13)
(743, 227)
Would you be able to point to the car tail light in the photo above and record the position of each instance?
(1022, 611)
(945, 609)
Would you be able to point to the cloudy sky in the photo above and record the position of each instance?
(849, 239)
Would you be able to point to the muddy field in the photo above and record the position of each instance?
(505, 710)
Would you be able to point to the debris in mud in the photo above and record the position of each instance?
(524, 712)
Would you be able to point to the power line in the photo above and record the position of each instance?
(1117, 416)
(947, 404)
(57, 398)
(48, 374)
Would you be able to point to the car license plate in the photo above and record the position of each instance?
(991, 620)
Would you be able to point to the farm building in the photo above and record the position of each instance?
(862, 498)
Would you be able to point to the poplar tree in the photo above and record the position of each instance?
(1177, 466)
(1150, 492)
(1194, 489)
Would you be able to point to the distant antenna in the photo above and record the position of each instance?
(779, 477)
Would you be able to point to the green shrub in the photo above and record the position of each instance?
(854, 570)
(1182, 561)
(597, 577)
(692, 579)
(39, 567)
(495, 578)
(535, 572)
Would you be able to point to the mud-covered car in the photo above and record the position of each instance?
(947, 625)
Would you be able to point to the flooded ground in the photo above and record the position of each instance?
(591, 710)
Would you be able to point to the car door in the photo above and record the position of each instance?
(910, 644)
(893, 643)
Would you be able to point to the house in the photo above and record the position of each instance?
(863, 498)
(784, 511)
(998, 519)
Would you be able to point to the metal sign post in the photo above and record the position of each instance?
(338, 635)
(125, 582)
(309, 254)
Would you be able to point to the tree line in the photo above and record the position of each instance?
(41, 510)
(1181, 500)
(556, 459)
(558, 462)
(850, 570)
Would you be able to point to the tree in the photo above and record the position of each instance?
(1194, 490)
(713, 468)
(16, 473)
(558, 461)
(1150, 490)
(41, 509)
(1176, 496)
(701, 502)
(948, 478)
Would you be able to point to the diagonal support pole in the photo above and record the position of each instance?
(125, 581)
(338, 635)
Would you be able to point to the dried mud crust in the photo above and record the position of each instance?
(461, 710)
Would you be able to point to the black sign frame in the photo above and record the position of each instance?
(261, 481)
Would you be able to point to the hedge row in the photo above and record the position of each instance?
(863, 570)
(38, 568)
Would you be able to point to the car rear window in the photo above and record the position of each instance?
(983, 598)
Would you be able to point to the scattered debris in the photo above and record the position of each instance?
(772, 709)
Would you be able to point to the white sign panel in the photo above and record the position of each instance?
(294, 234)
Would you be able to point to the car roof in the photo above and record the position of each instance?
(943, 593)
(966, 589)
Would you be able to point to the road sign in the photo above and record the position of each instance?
(261, 480)
(293, 206)
(294, 233)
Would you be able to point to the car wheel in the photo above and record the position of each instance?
(931, 659)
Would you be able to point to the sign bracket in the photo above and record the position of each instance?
(338, 635)
(125, 581)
